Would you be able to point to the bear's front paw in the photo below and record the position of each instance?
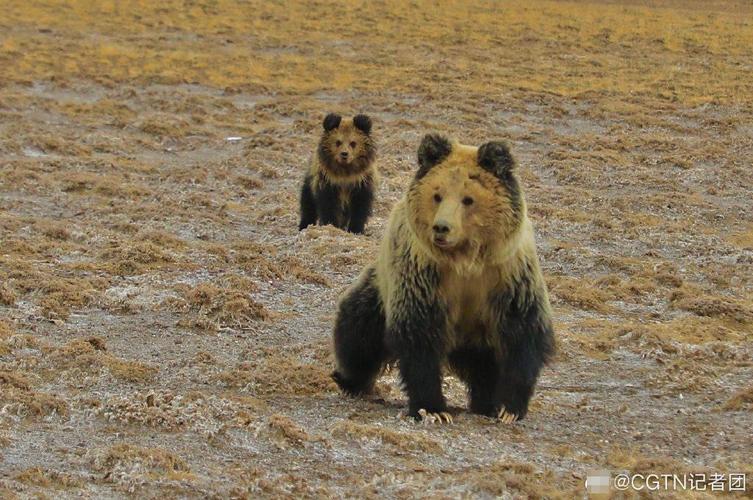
(507, 417)
(434, 417)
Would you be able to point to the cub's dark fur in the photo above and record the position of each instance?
(457, 285)
(339, 186)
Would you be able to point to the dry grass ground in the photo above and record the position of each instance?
(164, 329)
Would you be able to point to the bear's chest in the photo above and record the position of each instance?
(343, 195)
(467, 299)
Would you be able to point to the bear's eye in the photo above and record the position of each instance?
(437, 198)
(467, 201)
(352, 144)
(338, 143)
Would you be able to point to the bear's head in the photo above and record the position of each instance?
(465, 202)
(346, 147)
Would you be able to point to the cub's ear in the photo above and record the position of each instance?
(331, 121)
(362, 123)
(433, 149)
(495, 157)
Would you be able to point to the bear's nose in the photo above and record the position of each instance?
(441, 227)
(344, 155)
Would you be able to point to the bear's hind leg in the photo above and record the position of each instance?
(359, 338)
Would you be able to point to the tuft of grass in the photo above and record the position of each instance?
(164, 125)
(637, 462)
(88, 355)
(399, 440)
(54, 230)
(125, 458)
(285, 432)
(6, 330)
(248, 183)
(743, 239)
(741, 400)
(580, 293)
(48, 478)
(24, 402)
(693, 300)
(693, 330)
(59, 296)
(14, 379)
(8, 295)
(136, 258)
(211, 307)
(105, 185)
(279, 374)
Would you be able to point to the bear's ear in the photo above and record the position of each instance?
(331, 121)
(433, 149)
(495, 157)
(362, 123)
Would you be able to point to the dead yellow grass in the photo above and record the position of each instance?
(633, 460)
(700, 303)
(59, 296)
(286, 432)
(742, 400)
(151, 461)
(669, 34)
(15, 379)
(695, 330)
(24, 402)
(504, 477)
(163, 239)
(106, 185)
(136, 258)
(399, 440)
(580, 293)
(744, 238)
(211, 307)
(89, 355)
(47, 478)
(8, 296)
(277, 375)
(6, 329)
(263, 260)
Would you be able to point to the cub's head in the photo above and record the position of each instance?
(346, 147)
(464, 202)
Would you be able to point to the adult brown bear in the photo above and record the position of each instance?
(457, 284)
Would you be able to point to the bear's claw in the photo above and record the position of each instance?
(430, 418)
(505, 417)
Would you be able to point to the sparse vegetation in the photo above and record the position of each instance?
(167, 328)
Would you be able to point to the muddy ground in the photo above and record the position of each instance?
(165, 329)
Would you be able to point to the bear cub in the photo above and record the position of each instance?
(338, 188)
(456, 285)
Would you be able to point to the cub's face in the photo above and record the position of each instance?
(464, 199)
(346, 146)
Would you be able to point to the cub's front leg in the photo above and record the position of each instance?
(328, 204)
(361, 200)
